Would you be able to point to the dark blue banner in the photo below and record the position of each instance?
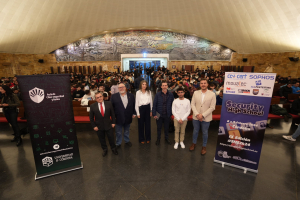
(244, 116)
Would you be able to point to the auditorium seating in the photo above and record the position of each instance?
(81, 113)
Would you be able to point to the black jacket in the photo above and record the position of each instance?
(78, 94)
(285, 91)
(137, 82)
(295, 107)
(123, 115)
(103, 123)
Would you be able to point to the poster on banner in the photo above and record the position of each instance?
(244, 114)
(50, 119)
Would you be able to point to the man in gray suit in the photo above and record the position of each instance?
(102, 117)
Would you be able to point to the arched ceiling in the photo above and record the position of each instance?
(246, 26)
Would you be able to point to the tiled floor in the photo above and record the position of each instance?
(153, 172)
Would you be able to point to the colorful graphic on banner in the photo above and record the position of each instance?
(244, 114)
(48, 106)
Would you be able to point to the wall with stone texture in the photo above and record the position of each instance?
(279, 61)
(27, 64)
(24, 64)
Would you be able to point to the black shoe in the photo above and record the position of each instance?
(168, 141)
(157, 142)
(115, 151)
(19, 141)
(104, 153)
(14, 140)
(118, 146)
(129, 144)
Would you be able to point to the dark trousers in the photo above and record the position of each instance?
(144, 123)
(110, 135)
(159, 122)
(12, 117)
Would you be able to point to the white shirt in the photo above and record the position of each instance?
(102, 106)
(181, 109)
(203, 95)
(89, 97)
(124, 100)
(142, 99)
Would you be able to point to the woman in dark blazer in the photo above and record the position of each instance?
(9, 104)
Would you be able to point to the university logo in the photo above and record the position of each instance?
(47, 161)
(36, 95)
(255, 91)
(56, 146)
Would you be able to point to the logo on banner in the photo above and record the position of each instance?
(237, 84)
(266, 77)
(229, 90)
(255, 91)
(237, 76)
(47, 161)
(258, 82)
(244, 91)
(223, 154)
(37, 95)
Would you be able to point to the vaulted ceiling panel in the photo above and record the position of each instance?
(247, 26)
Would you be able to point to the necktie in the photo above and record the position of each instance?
(102, 113)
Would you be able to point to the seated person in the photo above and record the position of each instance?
(219, 98)
(212, 87)
(94, 89)
(296, 88)
(172, 87)
(79, 93)
(105, 96)
(88, 95)
(286, 90)
(196, 84)
(192, 89)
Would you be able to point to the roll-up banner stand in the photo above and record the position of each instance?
(48, 106)
(244, 115)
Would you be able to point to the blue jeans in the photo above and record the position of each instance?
(119, 136)
(297, 133)
(204, 125)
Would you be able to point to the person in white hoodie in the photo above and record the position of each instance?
(181, 109)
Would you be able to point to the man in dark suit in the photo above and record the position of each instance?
(103, 121)
(137, 82)
(124, 106)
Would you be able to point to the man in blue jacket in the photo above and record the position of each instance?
(296, 88)
(162, 110)
(124, 107)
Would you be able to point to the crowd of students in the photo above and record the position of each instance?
(181, 85)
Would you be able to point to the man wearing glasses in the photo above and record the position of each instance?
(124, 107)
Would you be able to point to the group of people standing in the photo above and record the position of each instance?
(123, 107)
